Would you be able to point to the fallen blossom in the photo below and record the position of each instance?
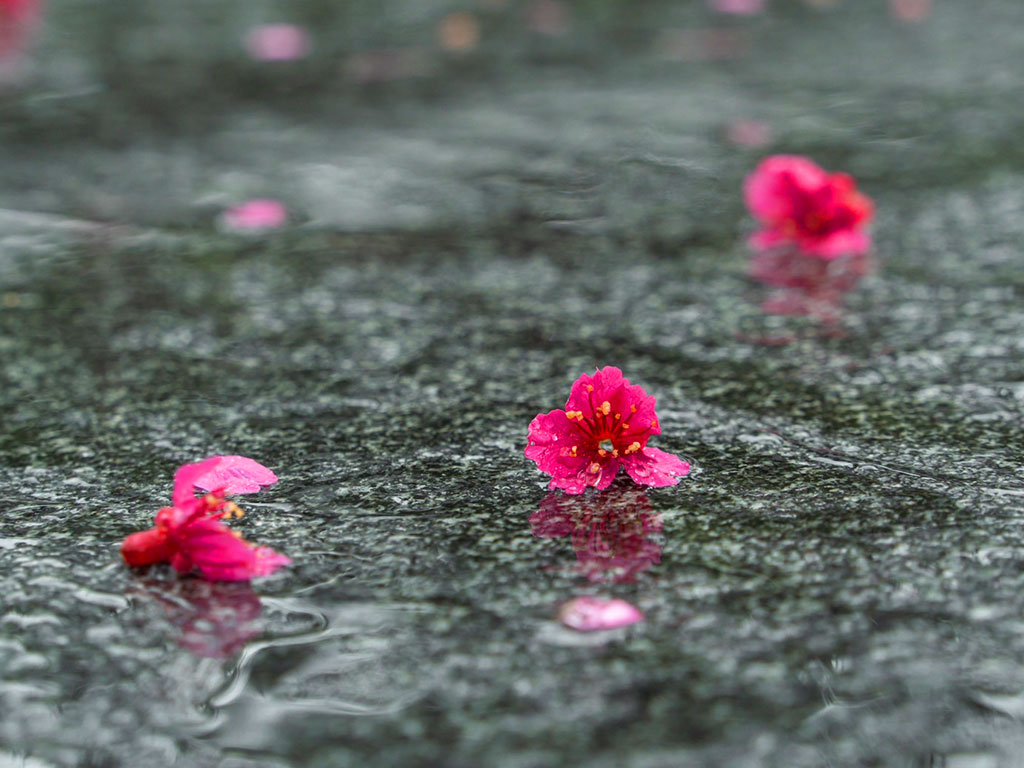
(587, 614)
(277, 42)
(800, 205)
(255, 216)
(190, 535)
(605, 425)
(611, 533)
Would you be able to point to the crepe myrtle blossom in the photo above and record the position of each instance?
(605, 425)
(798, 204)
(190, 535)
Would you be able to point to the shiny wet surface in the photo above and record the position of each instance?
(839, 581)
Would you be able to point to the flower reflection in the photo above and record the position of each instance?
(214, 619)
(610, 532)
(807, 285)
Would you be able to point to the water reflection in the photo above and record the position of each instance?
(610, 531)
(807, 285)
(214, 619)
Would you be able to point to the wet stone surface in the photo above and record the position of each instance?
(840, 580)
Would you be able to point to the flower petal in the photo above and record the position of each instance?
(234, 475)
(587, 614)
(218, 554)
(656, 468)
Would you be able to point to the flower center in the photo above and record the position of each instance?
(606, 445)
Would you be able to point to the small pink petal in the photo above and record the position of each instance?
(234, 475)
(587, 614)
(255, 215)
(738, 7)
(278, 42)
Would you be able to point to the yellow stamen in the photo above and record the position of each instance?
(594, 468)
(605, 408)
(632, 409)
(590, 387)
(602, 452)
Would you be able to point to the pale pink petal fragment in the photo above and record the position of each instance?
(587, 614)
(738, 7)
(255, 216)
(233, 475)
(656, 468)
(278, 42)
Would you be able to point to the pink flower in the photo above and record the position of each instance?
(587, 614)
(611, 533)
(190, 535)
(605, 425)
(277, 42)
(799, 204)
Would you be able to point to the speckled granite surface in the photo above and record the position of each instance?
(838, 583)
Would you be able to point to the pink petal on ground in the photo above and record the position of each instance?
(738, 7)
(233, 475)
(277, 42)
(587, 614)
(255, 216)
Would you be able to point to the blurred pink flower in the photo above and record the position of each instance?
(587, 614)
(255, 216)
(605, 425)
(738, 7)
(278, 42)
(190, 535)
(18, 18)
(798, 204)
(610, 532)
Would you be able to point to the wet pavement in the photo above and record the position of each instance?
(839, 582)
